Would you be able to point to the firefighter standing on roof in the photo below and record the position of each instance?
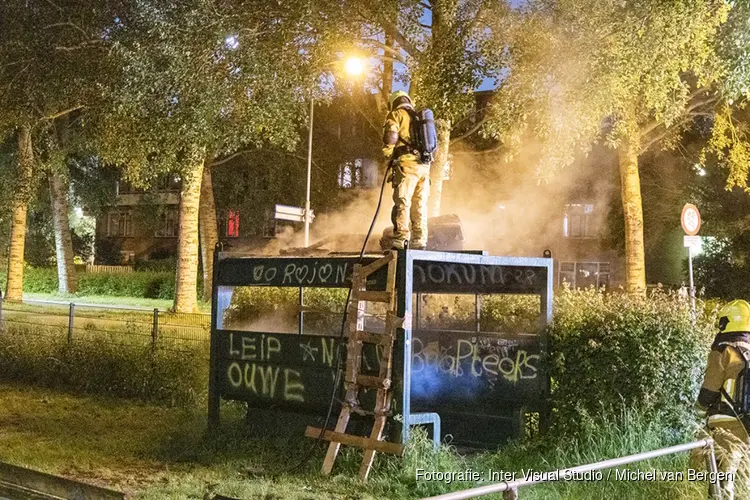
(725, 394)
(411, 176)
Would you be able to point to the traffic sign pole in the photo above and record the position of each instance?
(692, 286)
(691, 224)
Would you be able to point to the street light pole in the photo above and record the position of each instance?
(353, 66)
(309, 168)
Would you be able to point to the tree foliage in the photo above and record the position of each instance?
(582, 67)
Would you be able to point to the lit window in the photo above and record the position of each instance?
(350, 174)
(584, 274)
(233, 224)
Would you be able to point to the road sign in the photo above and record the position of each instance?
(296, 214)
(690, 219)
(692, 241)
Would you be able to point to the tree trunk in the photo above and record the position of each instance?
(59, 187)
(66, 271)
(388, 68)
(14, 286)
(632, 205)
(185, 293)
(440, 166)
(208, 233)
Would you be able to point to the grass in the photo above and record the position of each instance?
(112, 300)
(154, 452)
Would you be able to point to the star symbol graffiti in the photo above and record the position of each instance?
(308, 351)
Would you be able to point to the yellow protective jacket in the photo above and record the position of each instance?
(729, 355)
(399, 121)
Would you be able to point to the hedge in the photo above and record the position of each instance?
(612, 352)
(143, 284)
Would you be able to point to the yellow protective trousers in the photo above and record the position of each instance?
(411, 192)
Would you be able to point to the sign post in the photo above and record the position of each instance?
(691, 224)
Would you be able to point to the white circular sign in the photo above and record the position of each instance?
(691, 219)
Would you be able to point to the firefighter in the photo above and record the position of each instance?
(724, 397)
(411, 177)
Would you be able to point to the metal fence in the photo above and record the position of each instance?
(109, 324)
(510, 488)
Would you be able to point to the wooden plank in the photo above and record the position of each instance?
(333, 448)
(376, 434)
(358, 441)
(383, 339)
(371, 381)
(374, 266)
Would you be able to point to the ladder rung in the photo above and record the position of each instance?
(358, 441)
(373, 381)
(383, 339)
(370, 268)
(371, 296)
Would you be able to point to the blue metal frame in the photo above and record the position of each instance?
(405, 282)
(459, 258)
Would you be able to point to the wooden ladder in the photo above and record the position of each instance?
(356, 381)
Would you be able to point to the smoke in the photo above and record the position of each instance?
(504, 206)
(506, 209)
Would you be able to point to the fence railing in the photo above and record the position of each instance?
(96, 268)
(97, 323)
(510, 488)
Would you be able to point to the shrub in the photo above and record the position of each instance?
(147, 284)
(42, 356)
(614, 351)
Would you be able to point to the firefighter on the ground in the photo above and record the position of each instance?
(724, 397)
(409, 140)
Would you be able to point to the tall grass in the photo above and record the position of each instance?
(102, 364)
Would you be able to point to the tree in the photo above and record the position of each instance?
(209, 236)
(197, 78)
(50, 58)
(445, 46)
(634, 73)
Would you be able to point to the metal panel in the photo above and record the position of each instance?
(285, 371)
(300, 380)
(326, 272)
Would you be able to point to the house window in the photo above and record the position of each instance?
(120, 224)
(168, 225)
(578, 221)
(233, 224)
(350, 174)
(584, 274)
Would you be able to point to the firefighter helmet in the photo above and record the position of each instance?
(399, 95)
(735, 317)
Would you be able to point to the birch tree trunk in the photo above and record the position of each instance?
(14, 286)
(632, 204)
(439, 166)
(186, 279)
(66, 272)
(208, 229)
(59, 188)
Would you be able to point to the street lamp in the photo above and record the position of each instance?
(353, 66)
